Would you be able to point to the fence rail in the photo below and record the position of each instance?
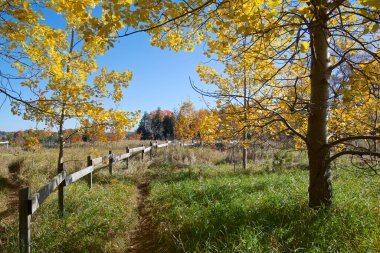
(39, 197)
(4, 142)
(29, 204)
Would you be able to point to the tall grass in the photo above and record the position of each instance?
(214, 209)
(199, 201)
(96, 220)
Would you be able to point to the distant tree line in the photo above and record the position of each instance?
(157, 125)
(33, 137)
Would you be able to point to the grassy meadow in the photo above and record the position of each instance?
(96, 220)
(210, 207)
(200, 201)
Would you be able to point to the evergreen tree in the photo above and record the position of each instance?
(157, 126)
(145, 127)
(168, 126)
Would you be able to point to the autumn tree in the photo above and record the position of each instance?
(55, 64)
(18, 138)
(293, 48)
(73, 136)
(184, 121)
(134, 136)
(116, 136)
(205, 126)
(236, 87)
(200, 125)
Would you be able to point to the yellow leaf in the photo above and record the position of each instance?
(273, 12)
(304, 47)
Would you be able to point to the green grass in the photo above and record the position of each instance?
(199, 203)
(99, 220)
(96, 220)
(211, 209)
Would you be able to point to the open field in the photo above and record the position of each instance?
(198, 201)
(209, 208)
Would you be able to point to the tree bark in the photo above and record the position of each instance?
(245, 133)
(320, 191)
(60, 166)
(60, 137)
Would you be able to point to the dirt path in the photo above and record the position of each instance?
(9, 210)
(11, 190)
(143, 239)
(12, 206)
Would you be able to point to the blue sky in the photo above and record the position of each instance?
(160, 79)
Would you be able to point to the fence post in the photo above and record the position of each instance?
(24, 220)
(89, 177)
(233, 156)
(61, 186)
(156, 147)
(127, 160)
(110, 162)
(151, 150)
(142, 153)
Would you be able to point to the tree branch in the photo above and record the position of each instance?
(353, 152)
(168, 21)
(351, 138)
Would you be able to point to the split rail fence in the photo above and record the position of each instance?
(29, 204)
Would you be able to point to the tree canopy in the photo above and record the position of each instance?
(307, 68)
(312, 68)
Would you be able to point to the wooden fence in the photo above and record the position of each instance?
(29, 204)
(4, 142)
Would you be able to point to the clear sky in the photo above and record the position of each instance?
(160, 79)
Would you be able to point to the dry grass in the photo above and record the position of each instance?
(181, 157)
(20, 168)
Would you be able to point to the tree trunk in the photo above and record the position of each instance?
(245, 133)
(245, 158)
(320, 191)
(60, 166)
(63, 112)
(60, 141)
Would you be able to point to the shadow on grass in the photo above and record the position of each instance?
(6, 184)
(285, 229)
(227, 227)
(252, 214)
(268, 213)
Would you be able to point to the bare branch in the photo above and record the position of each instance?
(351, 138)
(353, 152)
